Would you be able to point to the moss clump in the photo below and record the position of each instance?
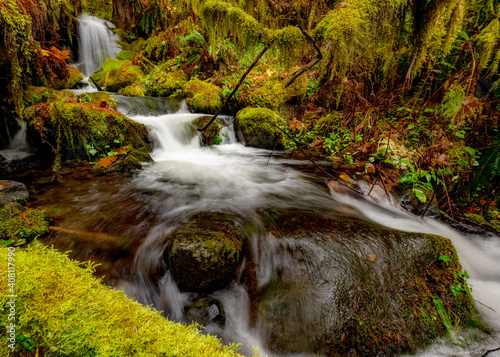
(259, 128)
(34, 95)
(69, 82)
(125, 55)
(97, 98)
(116, 74)
(272, 94)
(77, 129)
(25, 224)
(135, 90)
(61, 306)
(165, 84)
(203, 97)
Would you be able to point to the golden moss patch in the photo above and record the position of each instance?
(61, 305)
(203, 97)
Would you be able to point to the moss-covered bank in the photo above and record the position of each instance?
(64, 310)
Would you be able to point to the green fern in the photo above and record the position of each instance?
(489, 166)
(452, 101)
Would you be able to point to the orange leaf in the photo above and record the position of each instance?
(106, 161)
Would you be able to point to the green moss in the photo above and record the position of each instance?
(133, 90)
(26, 224)
(125, 55)
(61, 306)
(203, 97)
(259, 127)
(164, 84)
(78, 127)
(69, 82)
(34, 95)
(116, 74)
(97, 98)
(208, 137)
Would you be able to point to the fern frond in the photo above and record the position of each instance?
(489, 166)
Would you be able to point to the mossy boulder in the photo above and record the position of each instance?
(164, 84)
(202, 97)
(208, 137)
(17, 221)
(97, 98)
(203, 256)
(125, 55)
(81, 130)
(34, 95)
(357, 289)
(116, 74)
(135, 90)
(259, 128)
(124, 161)
(69, 82)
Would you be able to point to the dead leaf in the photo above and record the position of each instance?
(106, 161)
(372, 257)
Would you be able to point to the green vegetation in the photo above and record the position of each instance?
(22, 223)
(260, 128)
(61, 306)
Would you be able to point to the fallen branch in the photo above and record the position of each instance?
(97, 85)
(235, 89)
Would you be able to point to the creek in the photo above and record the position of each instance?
(123, 223)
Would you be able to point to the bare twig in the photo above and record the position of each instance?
(235, 89)
(489, 351)
(97, 85)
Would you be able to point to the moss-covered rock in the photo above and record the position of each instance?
(361, 290)
(203, 256)
(202, 97)
(135, 90)
(164, 84)
(69, 82)
(116, 74)
(124, 161)
(25, 224)
(208, 137)
(34, 95)
(97, 98)
(82, 131)
(259, 128)
(125, 55)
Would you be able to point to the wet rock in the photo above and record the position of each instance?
(2, 159)
(124, 162)
(411, 203)
(259, 128)
(363, 290)
(164, 83)
(116, 74)
(17, 221)
(12, 191)
(83, 131)
(209, 136)
(205, 311)
(203, 256)
(69, 82)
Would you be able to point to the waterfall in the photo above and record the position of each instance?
(18, 148)
(97, 43)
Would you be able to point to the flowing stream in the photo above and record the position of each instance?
(124, 223)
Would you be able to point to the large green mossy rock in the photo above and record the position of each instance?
(350, 288)
(203, 256)
(34, 95)
(69, 82)
(97, 98)
(164, 84)
(259, 128)
(202, 97)
(116, 74)
(82, 131)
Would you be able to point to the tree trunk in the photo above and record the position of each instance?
(124, 13)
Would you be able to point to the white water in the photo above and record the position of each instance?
(187, 178)
(18, 148)
(97, 43)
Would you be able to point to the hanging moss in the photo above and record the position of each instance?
(79, 128)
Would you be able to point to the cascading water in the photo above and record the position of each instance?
(96, 43)
(18, 148)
